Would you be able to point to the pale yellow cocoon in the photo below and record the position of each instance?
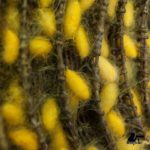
(105, 48)
(129, 14)
(82, 42)
(108, 96)
(12, 113)
(40, 46)
(11, 46)
(59, 141)
(111, 10)
(45, 3)
(92, 148)
(122, 145)
(77, 84)
(115, 123)
(129, 46)
(72, 18)
(85, 4)
(16, 93)
(12, 18)
(47, 21)
(24, 138)
(107, 71)
(50, 114)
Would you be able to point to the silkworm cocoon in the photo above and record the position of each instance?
(108, 95)
(148, 43)
(92, 148)
(47, 21)
(136, 102)
(11, 47)
(59, 141)
(107, 71)
(129, 46)
(85, 4)
(12, 18)
(49, 114)
(111, 10)
(77, 85)
(24, 138)
(45, 3)
(104, 48)
(122, 145)
(82, 42)
(72, 18)
(12, 114)
(15, 93)
(40, 46)
(129, 14)
(115, 123)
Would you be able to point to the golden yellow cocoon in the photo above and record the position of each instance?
(122, 145)
(82, 42)
(92, 148)
(59, 141)
(137, 102)
(115, 123)
(11, 46)
(85, 4)
(129, 14)
(108, 96)
(45, 3)
(15, 93)
(12, 18)
(104, 48)
(24, 138)
(72, 18)
(111, 10)
(148, 43)
(40, 46)
(77, 85)
(107, 71)
(129, 46)
(47, 21)
(12, 114)
(49, 114)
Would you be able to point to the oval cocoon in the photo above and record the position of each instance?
(129, 46)
(111, 10)
(72, 18)
(12, 114)
(40, 46)
(82, 43)
(129, 14)
(115, 123)
(77, 85)
(45, 3)
(107, 71)
(92, 148)
(24, 138)
(11, 46)
(85, 4)
(105, 48)
(109, 96)
(49, 114)
(47, 21)
(59, 141)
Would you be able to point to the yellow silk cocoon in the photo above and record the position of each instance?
(107, 71)
(11, 46)
(24, 138)
(77, 85)
(82, 42)
(50, 114)
(108, 96)
(72, 18)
